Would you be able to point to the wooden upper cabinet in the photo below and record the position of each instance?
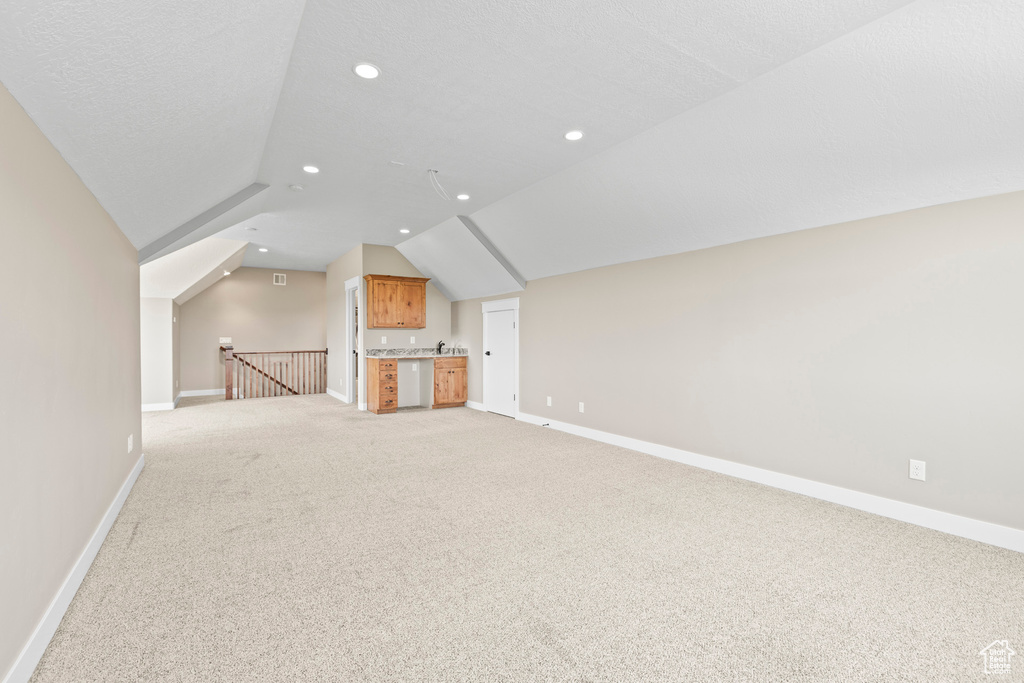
(396, 302)
(412, 299)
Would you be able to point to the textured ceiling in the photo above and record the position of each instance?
(191, 269)
(162, 107)
(706, 122)
(458, 263)
(923, 107)
(483, 91)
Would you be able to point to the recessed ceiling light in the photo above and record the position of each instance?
(574, 135)
(263, 249)
(463, 197)
(365, 70)
(310, 169)
(296, 188)
(404, 231)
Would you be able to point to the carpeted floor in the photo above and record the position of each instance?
(300, 539)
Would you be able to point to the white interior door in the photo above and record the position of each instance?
(500, 360)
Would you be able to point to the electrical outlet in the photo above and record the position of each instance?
(223, 340)
(131, 441)
(176, 384)
(917, 469)
(549, 401)
(581, 406)
(383, 340)
(412, 340)
(415, 367)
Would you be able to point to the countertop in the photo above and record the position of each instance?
(430, 352)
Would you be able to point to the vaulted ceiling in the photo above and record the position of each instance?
(704, 122)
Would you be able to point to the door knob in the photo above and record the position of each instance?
(487, 353)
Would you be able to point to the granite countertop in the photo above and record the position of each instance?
(429, 352)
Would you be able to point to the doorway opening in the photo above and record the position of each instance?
(352, 348)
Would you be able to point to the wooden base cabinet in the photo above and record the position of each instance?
(450, 382)
(381, 385)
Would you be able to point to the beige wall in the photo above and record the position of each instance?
(341, 269)
(70, 326)
(833, 354)
(257, 314)
(380, 260)
(157, 341)
(373, 259)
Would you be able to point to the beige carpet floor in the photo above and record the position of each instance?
(300, 539)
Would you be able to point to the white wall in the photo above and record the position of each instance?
(834, 354)
(157, 336)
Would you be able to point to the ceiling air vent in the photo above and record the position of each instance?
(279, 278)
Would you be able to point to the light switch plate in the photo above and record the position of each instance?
(549, 401)
(223, 340)
(581, 406)
(383, 340)
(412, 340)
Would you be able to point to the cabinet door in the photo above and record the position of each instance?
(441, 387)
(413, 302)
(386, 308)
(457, 386)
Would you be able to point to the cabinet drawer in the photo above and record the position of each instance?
(389, 402)
(387, 388)
(455, 362)
(387, 364)
(390, 376)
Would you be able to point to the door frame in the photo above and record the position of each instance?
(511, 304)
(352, 290)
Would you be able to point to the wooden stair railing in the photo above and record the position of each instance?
(255, 374)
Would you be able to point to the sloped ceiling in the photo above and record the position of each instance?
(188, 271)
(705, 122)
(161, 107)
(460, 261)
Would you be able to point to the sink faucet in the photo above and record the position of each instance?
(440, 347)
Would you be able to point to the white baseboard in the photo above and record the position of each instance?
(362, 406)
(33, 651)
(965, 527)
(153, 407)
(338, 395)
(475, 406)
(202, 392)
(176, 399)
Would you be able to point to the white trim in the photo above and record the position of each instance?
(965, 527)
(501, 305)
(338, 395)
(475, 406)
(176, 399)
(33, 651)
(362, 406)
(511, 304)
(201, 392)
(353, 283)
(153, 407)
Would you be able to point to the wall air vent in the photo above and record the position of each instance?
(279, 278)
